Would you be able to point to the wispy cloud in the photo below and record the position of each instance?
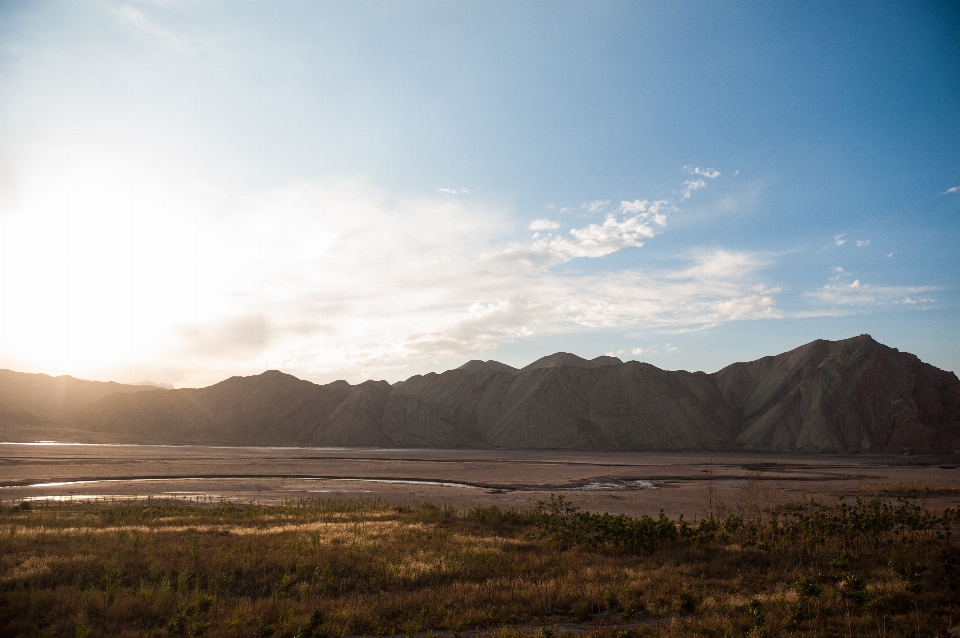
(838, 240)
(235, 336)
(952, 189)
(718, 264)
(594, 240)
(595, 206)
(543, 224)
(863, 242)
(636, 206)
(137, 19)
(691, 185)
(706, 172)
(859, 294)
(656, 209)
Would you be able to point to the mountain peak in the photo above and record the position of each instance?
(476, 365)
(563, 359)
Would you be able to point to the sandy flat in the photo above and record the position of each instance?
(692, 484)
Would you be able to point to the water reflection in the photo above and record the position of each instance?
(636, 484)
(255, 478)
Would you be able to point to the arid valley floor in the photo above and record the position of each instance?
(692, 484)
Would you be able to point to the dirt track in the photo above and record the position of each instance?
(691, 484)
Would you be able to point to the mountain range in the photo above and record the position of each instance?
(849, 396)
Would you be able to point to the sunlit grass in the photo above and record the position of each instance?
(335, 568)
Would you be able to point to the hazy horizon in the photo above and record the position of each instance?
(196, 190)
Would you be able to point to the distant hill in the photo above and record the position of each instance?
(848, 396)
(38, 406)
(165, 386)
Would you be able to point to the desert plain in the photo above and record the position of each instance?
(692, 484)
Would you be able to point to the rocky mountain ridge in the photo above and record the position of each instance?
(849, 396)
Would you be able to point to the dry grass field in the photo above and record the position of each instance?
(342, 568)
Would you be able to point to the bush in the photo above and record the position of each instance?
(567, 525)
(686, 602)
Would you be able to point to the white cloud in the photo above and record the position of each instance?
(594, 240)
(657, 209)
(863, 242)
(952, 189)
(839, 240)
(688, 299)
(859, 294)
(720, 264)
(763, 290)
(543, 224)
(841, 296)
(636, 206)
(595, 206)
(889, 254)
(691, 185)
(624, 232)
(709, 173)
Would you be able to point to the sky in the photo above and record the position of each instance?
(191, 190)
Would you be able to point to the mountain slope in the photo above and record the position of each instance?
(854, 395)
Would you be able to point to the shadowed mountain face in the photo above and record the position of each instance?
(846, 396)
(855, 395)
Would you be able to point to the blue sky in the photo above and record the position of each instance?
(192, 190)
